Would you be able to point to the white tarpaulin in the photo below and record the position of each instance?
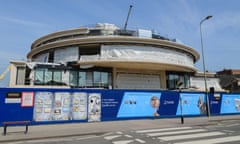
(145, 54)
(144, 33)
(199, 83)
(66, 55)
(41, 58)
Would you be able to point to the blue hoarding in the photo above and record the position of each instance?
(83, 105)
(192, 104)
(230, 103)
(139, 104)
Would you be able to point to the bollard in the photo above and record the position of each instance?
(182, 119)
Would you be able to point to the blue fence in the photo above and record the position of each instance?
(42, 106)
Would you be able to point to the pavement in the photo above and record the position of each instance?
(37, 132)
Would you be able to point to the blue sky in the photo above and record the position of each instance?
(23, 21)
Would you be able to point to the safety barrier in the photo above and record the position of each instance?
(41, 105)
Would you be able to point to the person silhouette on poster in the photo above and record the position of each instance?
(201, 105)
(155, 103)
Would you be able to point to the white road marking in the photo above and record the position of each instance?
(214, 140)
(129, 136)
(232, 125)
(189, 136)
(163, 129)
(123, 142)
(140, 141)
(175, 132)
(228, 131)
(111, 137)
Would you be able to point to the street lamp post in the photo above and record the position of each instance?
(204, 68)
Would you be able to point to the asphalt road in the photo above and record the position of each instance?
(226, 132)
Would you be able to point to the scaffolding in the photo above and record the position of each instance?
(5, 72)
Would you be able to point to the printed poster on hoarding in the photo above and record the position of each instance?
(192, 104)
(43, 106)
(61, 106)
(79, 106)
(27, 99)
(230, 104)
(140, 104)
(94, 107)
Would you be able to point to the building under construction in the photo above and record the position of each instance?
(106, 56)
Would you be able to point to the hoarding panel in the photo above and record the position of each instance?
(43, 106)
(230, 104)
(139, 104)
(192, 104)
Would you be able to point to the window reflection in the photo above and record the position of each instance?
(73, 81)
(90, 79)
(44, 76)
(82, 79)
(173, 78)
(100, 79)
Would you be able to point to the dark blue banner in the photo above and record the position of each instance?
(83, 105)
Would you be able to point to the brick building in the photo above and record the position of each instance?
(229, 79)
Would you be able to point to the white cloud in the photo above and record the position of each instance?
(21, 21)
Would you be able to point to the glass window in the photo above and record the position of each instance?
(20, 75)
(109, 80)
(187, 81)
(173, 78)
(39, 76)
(82, 79)
(57, 76)
(97, 78)
(100, 79)
(73, 78)
(104, 77)
(90, 79)
(47, 76)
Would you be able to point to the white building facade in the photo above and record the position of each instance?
(105, 56)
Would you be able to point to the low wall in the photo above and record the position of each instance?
(42, 106)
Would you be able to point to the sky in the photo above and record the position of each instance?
(24, 21)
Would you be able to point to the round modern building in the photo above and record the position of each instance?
(105, 56)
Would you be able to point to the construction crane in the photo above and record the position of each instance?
(5, 72)
(129, 11)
